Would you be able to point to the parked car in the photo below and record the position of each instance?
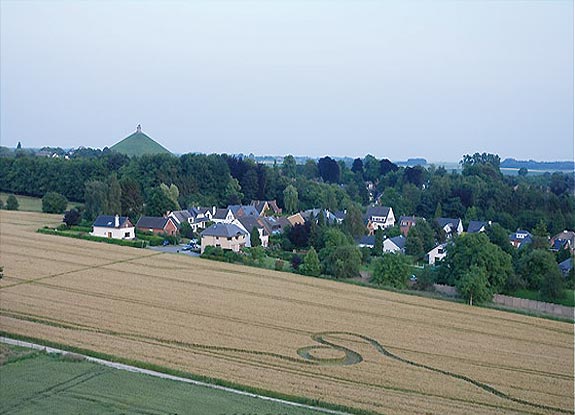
(165, 243)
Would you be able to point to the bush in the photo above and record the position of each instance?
(12, 203)
(54, 202)
(279, 265)
(71, 217)
(81, 235)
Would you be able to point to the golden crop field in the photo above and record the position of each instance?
(349, 345)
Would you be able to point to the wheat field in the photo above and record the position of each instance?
(355, 346)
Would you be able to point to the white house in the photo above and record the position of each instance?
(115, 227)
(436, 254)
(394, 245)
(450, 226)
(224, 215)
(379, 217)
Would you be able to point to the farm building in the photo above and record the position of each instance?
(115, 227)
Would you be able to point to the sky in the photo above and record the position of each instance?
(395, 79)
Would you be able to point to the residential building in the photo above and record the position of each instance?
(379, 217)
(436, 254)
(243, 210)
(520, 238)
(224, 235)
(566, 240)
(223, 215)
(247, 223)
(367, 241)
(406, 223)
(115, 227)
(266, 207)
(566, 266)
(296, 219)
(395, 245)
(158, 225)
(477, 226)
(450, 226)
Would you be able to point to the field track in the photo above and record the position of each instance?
(348, 345)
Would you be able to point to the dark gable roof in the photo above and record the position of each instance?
(399, 241)
(411, 219)
(243, 210)
(224, 230)
(108, 221)
(475, 226)
(454, 223)
(382, 211)
(368, 240)
(250, 222)
(152, 222)
(220, 213)
(182, 215)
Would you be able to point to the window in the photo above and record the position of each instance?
(440, 251)
(127, 235)
(229, 238)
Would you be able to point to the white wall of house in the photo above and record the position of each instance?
(436, 254)
(263, 238)
(390, 247)
(114, 233)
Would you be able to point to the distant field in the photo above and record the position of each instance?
(31, 204)
(34, 382)
(338, 343)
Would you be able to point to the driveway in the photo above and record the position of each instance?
(173, 249)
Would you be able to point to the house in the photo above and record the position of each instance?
(566, 266)
(247, 223)
(436, 254)
(340, 215)
(275, 225)
(115, 227)
(223, 215)
(450, 226)
(406, 223)
(200, 217)
(243, 210)
(395, 245)
(158, 225)
(366, 241)
(477, 226)
(520, 238)
(265, 206)
(314, 213)
(567, 238)
(296, 219)
(225, 236)
(379, 217)
(180, 216)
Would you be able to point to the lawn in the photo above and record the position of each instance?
(36, 382)
(31, 204)
(568, 296)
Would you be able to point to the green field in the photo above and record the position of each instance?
(31, 204)
(34, 382)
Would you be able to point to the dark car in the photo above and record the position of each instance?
(165, 243)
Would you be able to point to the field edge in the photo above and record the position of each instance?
(192, 376)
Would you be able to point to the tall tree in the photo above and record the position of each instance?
(329, 169)
(255, 237)
(474, 285)
(12, 203)
(378, 242)
(53, 202)
(114, 195)
(96, 197)
(357, 166)
(290, 199)
(391, 270)
(131, 199)
(311, 265)
(353, 222)
(289, 166)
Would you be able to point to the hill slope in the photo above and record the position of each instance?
(138, 144)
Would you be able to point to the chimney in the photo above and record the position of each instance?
(139, 128)
(117, 221)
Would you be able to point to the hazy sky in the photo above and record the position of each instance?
(396, 79)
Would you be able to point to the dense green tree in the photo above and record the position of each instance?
(310, 169)
(114, 195)
(186, 230)
(158, 203)
(343, 261)
(131, 200)
(255, 237)
(12, 203)
(290, 197)
(96, 197)
(353, 222)
(289, 166)
(72, 217)
(357, 166)
(172, 192)
(311, 265)
(391, 270)
(473, 285)
(500, 237)
(329, 169)
(371, 168)
(537, 266)
(475, 250)
(53, 202)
